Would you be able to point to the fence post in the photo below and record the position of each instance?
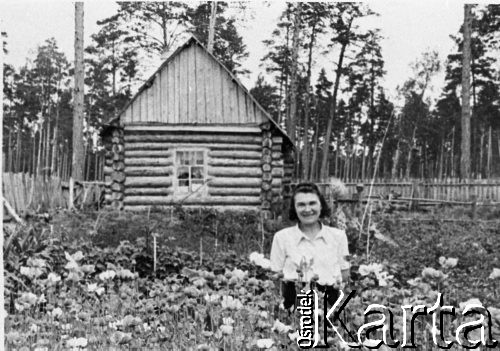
(474, 207)
(414, 195)
(331, 202)
(356, 203)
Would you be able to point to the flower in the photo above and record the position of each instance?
(28, 299)
(94, 288)
(365, 270)
(228, 321)
(14, 336)
(281, 327)
(88, 268)
(211, 298)
(72, 266)
(120, 338)
(231, 303)
(383, 278)
(431, 273)
(472, 301)
(77, 256)
(239, 274)
(31, 272)
(125, 274)
(36, 262)
(264, 343)
(107, 275)
(199, 283)
(56, 312)
(226, 329)
(74, 276)
(448, 262)
(495, 274)
(258, 259)
(76, 343)
(130, 321)
(53, 279)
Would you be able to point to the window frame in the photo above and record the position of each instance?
(177, 164)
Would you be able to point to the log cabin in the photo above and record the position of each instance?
(194, 136)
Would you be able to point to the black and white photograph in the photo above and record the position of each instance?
(250, 175)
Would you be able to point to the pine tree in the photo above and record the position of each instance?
(112, 65)
(346, 33)
(229, 47)
(466, 112)
(78, 160)
(267, 96)
(277, 61)
(415, 111)
(156, 26)
(365, 74)
(314, 17)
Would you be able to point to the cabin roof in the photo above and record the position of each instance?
(194, 41)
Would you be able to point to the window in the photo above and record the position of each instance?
(190, 170)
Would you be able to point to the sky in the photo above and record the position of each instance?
(409, 28)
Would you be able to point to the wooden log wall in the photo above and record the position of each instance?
(237, 167)
(114, 170)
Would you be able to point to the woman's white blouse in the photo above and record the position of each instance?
(325, 255)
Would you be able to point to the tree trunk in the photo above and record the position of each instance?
(488, 158)
(363, 163)
(441, 158)
(452, 156)
(314, 157)
(211, 27)
(305, 152)
(46, 162)
(292, 121)
(480, 170)
(39, 157)
(33, 156)
(78, 160)
(324, 161)
(19, 148)
(55, 147)
(411, 145)
(395, 161)
(337, 156)
(466, 110)
(9, 160)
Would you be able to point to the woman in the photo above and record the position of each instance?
(310, 250)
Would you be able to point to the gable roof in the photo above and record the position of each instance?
(194, 41)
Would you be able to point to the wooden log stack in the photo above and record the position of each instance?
(266, 193)
(116, 172)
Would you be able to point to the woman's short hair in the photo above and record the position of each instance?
(308, 188)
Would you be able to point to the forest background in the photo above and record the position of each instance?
(322, 77)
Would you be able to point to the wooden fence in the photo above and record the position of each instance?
(23, 191)
(482, 190)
